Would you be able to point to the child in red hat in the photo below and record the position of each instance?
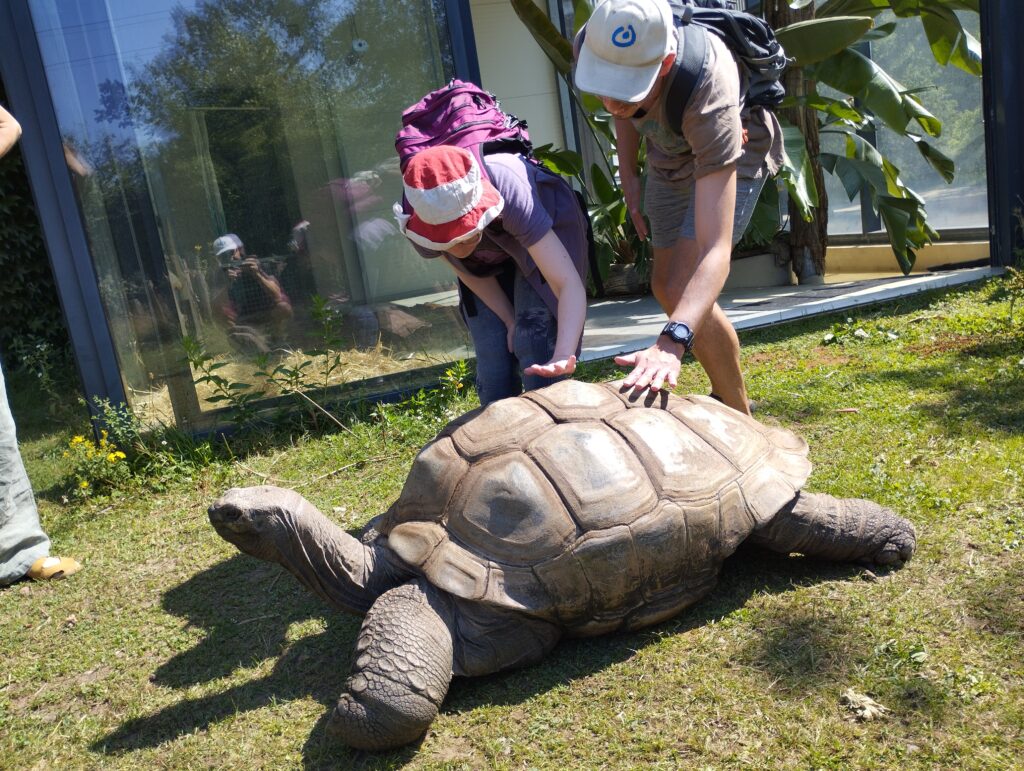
(517, 239)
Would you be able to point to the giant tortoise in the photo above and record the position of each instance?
(576, 509)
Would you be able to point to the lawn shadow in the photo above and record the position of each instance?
(255, 605)
(751, 571)
(966, 405)
(246, 609)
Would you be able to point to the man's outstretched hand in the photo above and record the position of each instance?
(653, 368)
(553, 368)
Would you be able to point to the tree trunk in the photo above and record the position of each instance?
(807, 240)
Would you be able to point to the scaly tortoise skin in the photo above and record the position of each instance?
(573, 510)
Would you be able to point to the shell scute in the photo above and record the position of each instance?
(498, 428)
(507, 510)
(573, 400)
(732, 433)
(435, 474)
(681, 463)
(596, 472)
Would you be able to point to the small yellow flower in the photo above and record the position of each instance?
(67, 454)
(120, 455)
(111, 457)
(78, 440)
(83, 484)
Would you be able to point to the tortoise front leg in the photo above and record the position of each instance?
(402, 669)
(840, 529)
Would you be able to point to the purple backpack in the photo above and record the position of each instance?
(464, 115)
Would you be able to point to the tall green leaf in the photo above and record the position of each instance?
(551, 41)
(950, 42)
(797, 172)
(812, 41)
(941, 163)
(853, 73)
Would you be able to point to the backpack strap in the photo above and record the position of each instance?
(686, 71)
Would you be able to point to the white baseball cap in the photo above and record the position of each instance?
(626, 42)
(226, 243)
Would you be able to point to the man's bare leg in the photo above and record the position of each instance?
(716, 345)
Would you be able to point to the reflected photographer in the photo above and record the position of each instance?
(253, 306)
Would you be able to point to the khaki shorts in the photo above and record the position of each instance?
(667, 205)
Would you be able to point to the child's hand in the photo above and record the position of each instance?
(553, 368)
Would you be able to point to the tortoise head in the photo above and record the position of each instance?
(258, 520)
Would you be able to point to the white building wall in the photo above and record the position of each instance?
(514, 69)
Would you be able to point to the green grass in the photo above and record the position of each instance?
(170, 650)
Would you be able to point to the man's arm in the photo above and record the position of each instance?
(627, 143)
(270, 284)
(689, 294)
(10, 131)
(715, 202)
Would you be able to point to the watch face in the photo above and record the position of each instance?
(679, 332)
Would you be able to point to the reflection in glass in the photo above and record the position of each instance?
(236, 171)
(955, 98)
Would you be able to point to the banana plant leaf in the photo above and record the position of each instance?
(564, 162)
(899, 7)
(796, 171)
(604, 189)
(943, 164)
(949, 41)
(880, 32)
(581, 11)
(812, 41)
(840, 109)
(853, 73)
(765, 221)
(551, 41)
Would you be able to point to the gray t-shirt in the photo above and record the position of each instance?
(717, 131)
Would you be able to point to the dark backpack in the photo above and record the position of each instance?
(749, 37)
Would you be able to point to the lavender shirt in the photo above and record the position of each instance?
(536, 201)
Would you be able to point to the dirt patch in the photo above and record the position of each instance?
(456, 751)
(825, 357)
(944, 344)
(819, 356)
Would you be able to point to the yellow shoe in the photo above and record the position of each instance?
(52, 568)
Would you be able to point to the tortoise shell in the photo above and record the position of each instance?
(588, 506)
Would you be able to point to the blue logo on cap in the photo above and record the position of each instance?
(624, 37)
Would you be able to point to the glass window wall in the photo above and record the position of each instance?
(235, 167)
(955, 98)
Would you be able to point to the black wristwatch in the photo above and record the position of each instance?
(679, 332)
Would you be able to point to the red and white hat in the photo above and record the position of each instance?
(450, 198)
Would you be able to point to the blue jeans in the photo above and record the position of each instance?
(499, 373)
(22, 540)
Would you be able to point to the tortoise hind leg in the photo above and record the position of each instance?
(402, 670)
(840, 529)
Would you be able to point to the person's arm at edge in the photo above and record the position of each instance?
(558, 270)
(10, 131)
